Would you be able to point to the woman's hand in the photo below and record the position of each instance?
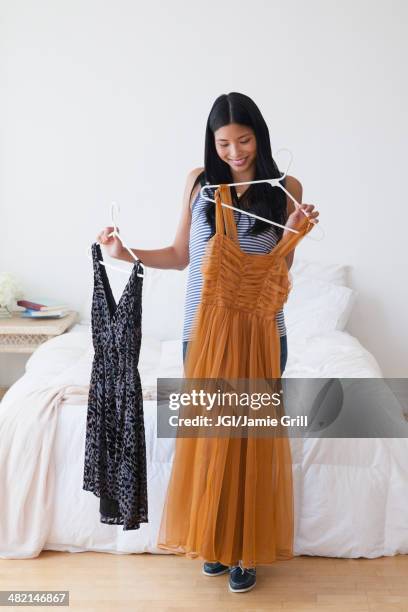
(113, 245)
(297, 217)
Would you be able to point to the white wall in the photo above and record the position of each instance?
(108, 100)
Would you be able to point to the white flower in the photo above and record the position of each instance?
(10, 290)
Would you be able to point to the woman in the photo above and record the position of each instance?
(237, 149)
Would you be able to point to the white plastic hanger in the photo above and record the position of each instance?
(275, 182)
(114, 207)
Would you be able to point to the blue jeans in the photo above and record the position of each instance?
(283, 352)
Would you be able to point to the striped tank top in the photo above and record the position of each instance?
(200, 232)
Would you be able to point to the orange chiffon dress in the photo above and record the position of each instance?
(230, 499)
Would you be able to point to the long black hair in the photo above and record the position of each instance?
(262, 199)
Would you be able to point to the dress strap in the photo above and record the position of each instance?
(224, 217)
(289, 242)
(101, 280)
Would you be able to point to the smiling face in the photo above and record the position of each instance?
(236, 146)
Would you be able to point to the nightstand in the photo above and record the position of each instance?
(23, 335)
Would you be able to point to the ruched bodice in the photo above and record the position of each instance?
(200, 233)
(254, 283)
(233, 281)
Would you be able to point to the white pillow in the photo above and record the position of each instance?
(163, 303)
(171, 360)
(329, 273)
(316, 307)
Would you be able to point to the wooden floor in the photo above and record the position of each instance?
(99, 581)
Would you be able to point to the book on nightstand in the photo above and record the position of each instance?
(36, 314)
(43, 308)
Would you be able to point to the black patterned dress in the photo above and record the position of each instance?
(115, 447)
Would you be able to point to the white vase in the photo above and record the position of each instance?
(4, 312)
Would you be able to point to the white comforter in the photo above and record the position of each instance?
(351, 495)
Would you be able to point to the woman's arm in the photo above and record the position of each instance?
(175, 256)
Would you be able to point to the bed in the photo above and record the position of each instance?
(351, 495)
